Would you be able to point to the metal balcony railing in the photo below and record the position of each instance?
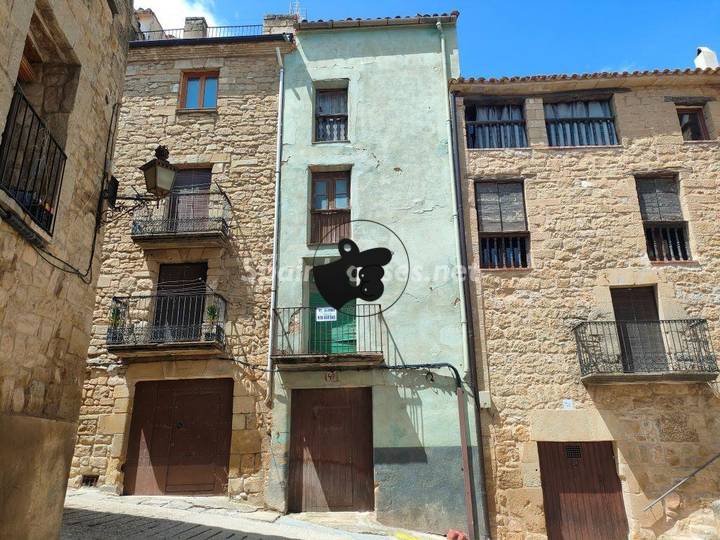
(581, 131)
(184, 212)
(616, 347)
(504, 250)
(496, 134)
(303, 331)
(32, 163)
(210, 32)
(168, 317)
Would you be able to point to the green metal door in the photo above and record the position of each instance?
(326, 337)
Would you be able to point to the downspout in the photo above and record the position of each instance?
(276, 228)
(470, 502)
(470, 328)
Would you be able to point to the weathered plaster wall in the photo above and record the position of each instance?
(586, 236)
(238, 142)
(400, 177)
(45, 312)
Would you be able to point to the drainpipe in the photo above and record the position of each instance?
(466, 320)
(470, 503)
(276, 228)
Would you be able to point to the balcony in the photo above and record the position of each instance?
(167, 325)
(32, 164)
(630, 351)
(201, 32)
(306, 337)
(188, 218)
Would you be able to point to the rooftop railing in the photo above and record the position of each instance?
(209, 32)
(651, 347)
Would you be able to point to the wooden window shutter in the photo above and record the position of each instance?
(659, 199)
(501, 206)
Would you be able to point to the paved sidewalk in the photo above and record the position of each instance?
(94, 515)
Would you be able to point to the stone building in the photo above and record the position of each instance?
(173, 402)
(61, 74)
(365, 157)
(591, 207)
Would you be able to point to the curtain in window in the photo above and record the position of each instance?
(331, 111)
(580, 123)
(659, 199)
(495, 126)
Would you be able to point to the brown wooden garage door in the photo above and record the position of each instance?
(581, 491)
(179, 437)
(331, 466)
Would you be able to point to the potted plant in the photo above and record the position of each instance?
(213, 314)
(114, 334)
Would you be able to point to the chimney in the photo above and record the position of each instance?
(195, 27)
(706, 58)
(279, 24)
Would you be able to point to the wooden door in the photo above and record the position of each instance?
(581, 491)
(180, 305)
(179, 439)
(187, 204)
(328, 337)
(331, 466)
(639, 332)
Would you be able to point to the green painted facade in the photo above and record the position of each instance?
(400, 176)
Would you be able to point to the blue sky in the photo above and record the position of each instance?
(520, 37)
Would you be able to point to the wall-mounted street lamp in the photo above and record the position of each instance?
(159, 180)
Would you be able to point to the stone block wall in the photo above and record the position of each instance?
(45, 312)
(587, 236)
(238, 142)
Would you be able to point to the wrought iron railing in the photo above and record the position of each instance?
(667, 241)
(302, 331)
(504, 250)
(331, 127)
(184, 212)
(500, 134)
(32, 163)
(209, 32)
(614, 347)
(581, 131)
(168, 317)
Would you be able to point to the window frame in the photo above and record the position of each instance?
(501, 235)
(699, 110)
(522, 123)
(317, 115)
(665, 237)
(557, 100)
(331, 177)
(203, 75)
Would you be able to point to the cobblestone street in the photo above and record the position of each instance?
(93, 515)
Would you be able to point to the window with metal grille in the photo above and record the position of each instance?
(89, 480)
(330, 207)
(692, 123)
(495, 126)
(502, 224)
(331, 115)
(666, 233)
(573, 451)
(580, 123)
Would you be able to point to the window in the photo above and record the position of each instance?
(331, 118)
(665, 230)
(199, 90)
(580, 123)
(504, 238)
(692, 123)
(330, 207)
(495, 126)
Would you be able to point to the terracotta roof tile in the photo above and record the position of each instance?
(585, 76)
(397, 20)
